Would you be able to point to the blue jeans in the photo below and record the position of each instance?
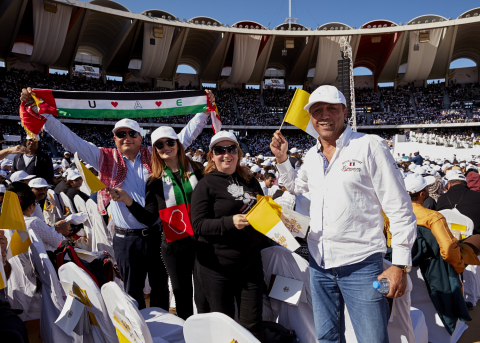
(350, 285)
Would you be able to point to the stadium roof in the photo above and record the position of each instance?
(59, 30)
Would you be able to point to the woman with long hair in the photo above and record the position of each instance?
(167, 197)
(228, 248)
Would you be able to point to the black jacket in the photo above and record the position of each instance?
(221, 246)
(41, 165)
(468, 203)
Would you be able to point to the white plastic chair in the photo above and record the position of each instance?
(421, 300)
(419, 326)
(87, 225)
(215, 328)
(90, 295)
(66, 203)
(460, 225)
(99, 236)
(167, 327)
(56, 213)
(53, 296)
(280, 261)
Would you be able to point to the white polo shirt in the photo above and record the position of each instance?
(347, 200)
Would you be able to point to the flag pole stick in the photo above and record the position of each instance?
(280, 129)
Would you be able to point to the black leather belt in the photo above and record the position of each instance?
(138, 232)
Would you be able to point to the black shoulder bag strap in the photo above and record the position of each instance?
(458, 200)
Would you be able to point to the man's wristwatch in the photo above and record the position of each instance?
(406, 269)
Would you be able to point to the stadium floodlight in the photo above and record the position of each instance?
(49, 6)
(157, 31)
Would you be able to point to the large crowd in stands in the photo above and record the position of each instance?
(367, 97)
(461, 94)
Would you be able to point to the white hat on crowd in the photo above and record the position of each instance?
(412, 167)
(2, 188)
(57, 175)
(73, 175)
(328, 94)
(20, 176)
(222, 136)
(420, 170)
(471, 166)
(3, 173)
(247, 154)
(38, 182)
(127, 123)
(414, 183)
(261, 157)
(455, 175)
(430, 179)
(293, 150)
(416, 151)
(267, 163)
(7, 162)
(462, 165)
(77, 218)
(426, 163)
(255, 169)
(262, 171)
(163, 132)
(66, 153)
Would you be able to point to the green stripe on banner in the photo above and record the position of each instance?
(140, 113)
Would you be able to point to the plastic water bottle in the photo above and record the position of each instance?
(383, 286)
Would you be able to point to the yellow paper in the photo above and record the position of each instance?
(91, 180)
(17, 245)
(11, 217)
(296, 115)
(458, 227)
(263, 216)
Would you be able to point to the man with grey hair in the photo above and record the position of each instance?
(351, 178)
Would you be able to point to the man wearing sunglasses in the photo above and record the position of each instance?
(136, 247)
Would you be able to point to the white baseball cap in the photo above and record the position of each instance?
(127, 123)
(20, 176)
(2, 188)
(73, 175)
(328, 94)
(260, 157)
(414, 183)
(38, 182)
(293, 150)
(255, 169)
(455, 175)
(6, 162)
(420, 170)
(66, 153)
(163, 132)
(247, 154)
(222, 136)
(267, 163)
(77, 218)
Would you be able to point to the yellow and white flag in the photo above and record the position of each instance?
(295, 222)
(91, 183)
(11, 218)
(3, 278)
(297, 116)
(265, 218)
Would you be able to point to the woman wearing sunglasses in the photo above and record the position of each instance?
(167, 196)
(228, 248)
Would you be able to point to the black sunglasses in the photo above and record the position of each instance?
(169, 142)
(123, 134)
(222, 150)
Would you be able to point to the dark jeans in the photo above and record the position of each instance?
(244, 287)
(179, 266)
(136, 257)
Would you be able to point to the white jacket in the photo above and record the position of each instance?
(361, 180)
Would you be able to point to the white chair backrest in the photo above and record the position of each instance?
(460, 225)
(215, 328)
(56, 212)
(124, 314)
(67, 203)
(71, 274)
(100, 239)
(87, 225)
(280, 261)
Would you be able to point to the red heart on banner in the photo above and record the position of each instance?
(158, 103)
(114, 103)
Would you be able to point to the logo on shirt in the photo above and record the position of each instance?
(240, 194)
(352, 165)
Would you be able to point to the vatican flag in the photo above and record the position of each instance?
(91, 183)
(11, 218)
(3, 278)
(297, 116)
(265, 218)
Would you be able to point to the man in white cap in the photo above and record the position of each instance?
(39, 187)
(66, 161)
(351, 177)
(34, 161)
(257, 172)
(459, 196)
(294, 158)
(127, 166)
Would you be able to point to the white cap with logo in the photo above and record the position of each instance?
(328, 94)
(163, 132)
(127, 123)
(38, 182)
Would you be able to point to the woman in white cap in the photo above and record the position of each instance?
(74, 182)
(167, 196)
(228, 248)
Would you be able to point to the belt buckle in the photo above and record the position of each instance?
(143, 232)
